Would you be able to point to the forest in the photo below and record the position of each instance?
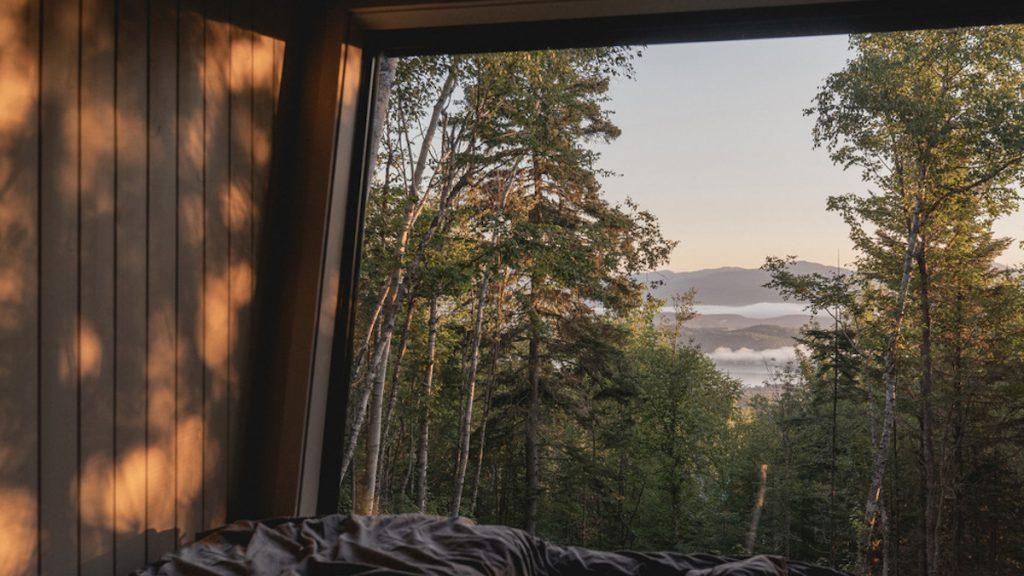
(509, 366)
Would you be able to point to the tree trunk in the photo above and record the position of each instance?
(881, 457)
(755, 517)
(927, 442)
(492, 382)
(833, 443)
(887, 560)
(957, 539)
(424, 444)
(382, 99)
(620, 501)
(787, 467)
(532, 423)
(480, 449)
(410, 465)
(366, 497)
(891, 507)
(508, 485)
(674, 488)
(403, 346)
(467, 415)
(533, 374)
(359, 416)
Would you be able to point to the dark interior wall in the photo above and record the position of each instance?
(135, 145)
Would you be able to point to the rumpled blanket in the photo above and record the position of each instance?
(338, 545)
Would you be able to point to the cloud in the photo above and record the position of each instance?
(771, 355)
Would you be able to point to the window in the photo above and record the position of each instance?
(744, 297)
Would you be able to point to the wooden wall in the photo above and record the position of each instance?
(134, 153)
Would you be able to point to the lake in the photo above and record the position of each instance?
(752, 367)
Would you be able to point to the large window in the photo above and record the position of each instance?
(744, 297)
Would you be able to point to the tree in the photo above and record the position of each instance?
(930, 118)
(563, 239)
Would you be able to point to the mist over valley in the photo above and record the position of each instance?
(747, 329)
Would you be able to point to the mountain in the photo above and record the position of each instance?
(728, 286)
(757, 337)
(711, 331)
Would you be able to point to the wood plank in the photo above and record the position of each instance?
(96, 329)
(58, 321)
(191, 68)
(216, 292)
(240, 224)
(278, 66)
(161, 357)
(264, 96)
(130, 327)
(19, 276)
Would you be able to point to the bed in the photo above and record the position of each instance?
(419, 544)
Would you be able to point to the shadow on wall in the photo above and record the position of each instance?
(18, 107)
(128, 214)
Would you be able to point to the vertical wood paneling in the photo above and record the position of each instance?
(134, 151)
(240, 225)
(130, 327)
(217, 304)
(96, 328)
(58, 204)
(278, 64)
(190, 275)
(161, 354)
(264, 79)
(19, 297)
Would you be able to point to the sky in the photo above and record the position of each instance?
(714, 142)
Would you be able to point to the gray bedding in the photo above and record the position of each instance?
(416, 544)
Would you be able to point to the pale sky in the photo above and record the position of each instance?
(715, 144)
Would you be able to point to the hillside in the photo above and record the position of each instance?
(757, 337)
(728, 286)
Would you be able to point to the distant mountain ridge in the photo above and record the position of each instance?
(727, 286)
